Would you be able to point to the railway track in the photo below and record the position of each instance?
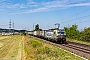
(79, 49)
(85, 50)
(79, 44)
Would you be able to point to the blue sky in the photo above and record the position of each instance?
(45, 13)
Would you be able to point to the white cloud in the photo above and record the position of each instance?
(32, 11)
(31, 2)
(81, 4)
(32, 6)
(55, 4)
(12, 6)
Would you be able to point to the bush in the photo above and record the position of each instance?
(23, 33)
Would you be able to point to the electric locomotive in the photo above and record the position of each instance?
(57, 35)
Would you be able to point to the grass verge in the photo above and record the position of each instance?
(36, 49)
(78, 41)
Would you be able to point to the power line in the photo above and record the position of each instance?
(3, 25)
(13, 27)
(76, 14)
(49, 27)
(13, 24)
(77, 18)
(10, 26)
(83, 21)
(80, 22)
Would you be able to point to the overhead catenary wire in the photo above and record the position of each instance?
(49, 27)
(83, 21)
(78, 23)
(3, 25)
(76, 18)
(76, 14)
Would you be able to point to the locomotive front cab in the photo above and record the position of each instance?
(61, 36)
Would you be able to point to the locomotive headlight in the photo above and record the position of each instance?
(64, 33)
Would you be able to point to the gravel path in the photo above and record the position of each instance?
(21, 54)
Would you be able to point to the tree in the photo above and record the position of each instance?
(72, 32)
(85, 35)
(37, 27)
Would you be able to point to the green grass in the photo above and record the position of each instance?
(47, 51)
(35, 43)
(78, 41)
(39, 50)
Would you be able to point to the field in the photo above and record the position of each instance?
(19, 47)
(11, 47)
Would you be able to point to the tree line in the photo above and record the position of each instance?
(73, 33)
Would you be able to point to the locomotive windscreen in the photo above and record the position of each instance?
(61, 32)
